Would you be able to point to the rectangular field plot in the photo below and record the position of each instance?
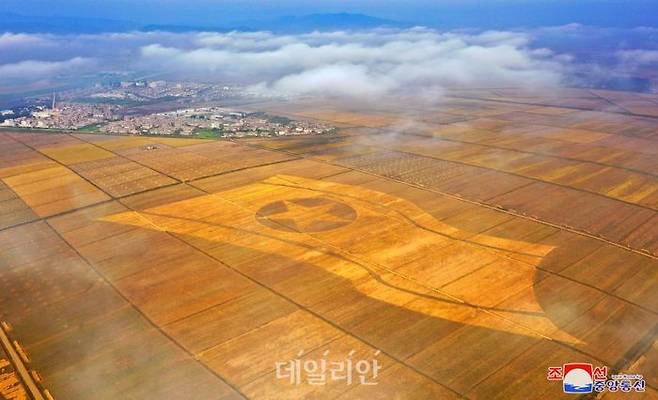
(202, 160)
(481, 185)
(175, 162)
(54, 190)
(600, 216)
(645, 237)
(488, 124)
(76, 153)
(447, 176)
(302, 145)
(521, 118)
(239, 156)
(308, 147)
(13, 210)
(44, 140)
(573, 135)
(9, 146)
(388, 163)
(119, 143)
(304, 168)
(16, 158)
(342, 151)
(120, 177)
(352, 119)
(623, 125)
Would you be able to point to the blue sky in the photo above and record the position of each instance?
(437, 13)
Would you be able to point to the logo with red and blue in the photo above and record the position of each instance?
(578, 378)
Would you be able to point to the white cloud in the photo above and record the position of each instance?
(366, 63)
(9, 39)
(639, 57)
(335, 80)
(35, 70)
(358, 63)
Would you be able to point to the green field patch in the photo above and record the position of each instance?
(92, 128)
(212, 133)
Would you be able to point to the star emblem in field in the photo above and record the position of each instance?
(310, 214)
(357, 231)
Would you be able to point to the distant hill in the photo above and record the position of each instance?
(10, 22)
(330, 22)
(193, 28)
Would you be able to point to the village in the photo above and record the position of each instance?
(213, 122)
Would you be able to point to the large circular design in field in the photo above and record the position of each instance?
(306, 215)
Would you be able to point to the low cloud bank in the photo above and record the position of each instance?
(356, 64)
(30, 70)
(639, 57)
(372, 63)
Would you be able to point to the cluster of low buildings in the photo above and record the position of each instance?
(215, 121)
(65, 116)
(107, 108)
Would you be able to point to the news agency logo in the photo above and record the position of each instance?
(579, 378)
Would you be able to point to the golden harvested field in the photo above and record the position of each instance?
(466, 247)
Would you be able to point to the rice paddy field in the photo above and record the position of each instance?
(465, 246)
